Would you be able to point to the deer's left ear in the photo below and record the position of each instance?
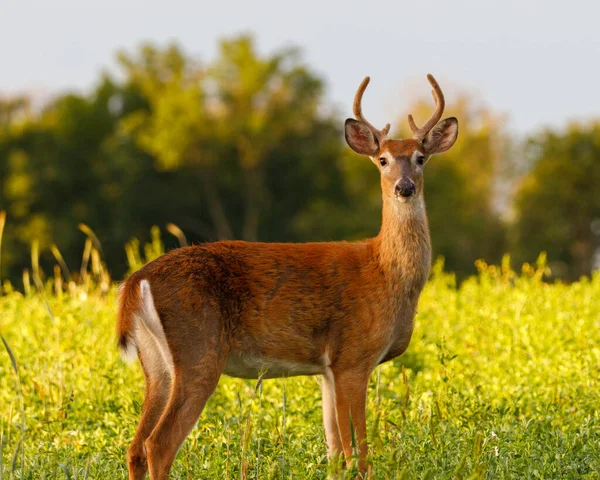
(441, 137)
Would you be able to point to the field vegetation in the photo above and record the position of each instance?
(501, 380)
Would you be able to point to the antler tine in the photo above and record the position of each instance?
(440, 103)
(357, 109)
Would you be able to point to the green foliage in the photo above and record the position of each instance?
(500, 381)
(558, 201)
(236, 148)
(243, 146)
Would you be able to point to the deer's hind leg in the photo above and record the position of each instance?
(198, 363)
(157, 369)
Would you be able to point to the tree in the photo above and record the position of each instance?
(225, 122)
(59, 171)
(557, 203)
(233, 149)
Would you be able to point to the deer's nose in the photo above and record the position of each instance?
(405, 188)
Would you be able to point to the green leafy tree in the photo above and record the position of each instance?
(557, 205)
(229, 124)
(233, 149)
(58, 172)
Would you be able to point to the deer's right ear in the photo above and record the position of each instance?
(360, 138)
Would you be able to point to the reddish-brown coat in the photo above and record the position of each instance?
(290, 302)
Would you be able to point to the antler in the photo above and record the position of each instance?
(438, 97)
(379, 134)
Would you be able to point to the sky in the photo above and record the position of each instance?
(537, 62)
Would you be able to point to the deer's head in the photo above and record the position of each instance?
(401, 162)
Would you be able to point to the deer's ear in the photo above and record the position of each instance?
(441, 137)
(360, 138)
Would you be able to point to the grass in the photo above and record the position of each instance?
(501, 380)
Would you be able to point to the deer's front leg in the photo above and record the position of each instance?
(350, 402)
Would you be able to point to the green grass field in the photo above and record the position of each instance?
(501, 380)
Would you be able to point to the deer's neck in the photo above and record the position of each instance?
(404, 247)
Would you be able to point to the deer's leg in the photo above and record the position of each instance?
(155, 399)
(199, 356)
(191, 389)
(157, 372)
(332, 433)
(350, 401)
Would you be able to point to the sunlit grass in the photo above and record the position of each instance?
(500, 381)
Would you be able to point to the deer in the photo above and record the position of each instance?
(268, 310)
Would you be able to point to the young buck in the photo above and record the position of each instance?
(333, 309)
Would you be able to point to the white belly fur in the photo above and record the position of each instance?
(243, 366)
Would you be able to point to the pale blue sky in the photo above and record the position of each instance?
(536, 61)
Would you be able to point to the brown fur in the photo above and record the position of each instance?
(337, 309)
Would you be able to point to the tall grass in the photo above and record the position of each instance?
(2, 223)
(500, 381)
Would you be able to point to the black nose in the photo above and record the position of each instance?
(405, 188)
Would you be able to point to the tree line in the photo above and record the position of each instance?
(245, 147)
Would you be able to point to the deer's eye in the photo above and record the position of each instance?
(420, 160)
(382, 161)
